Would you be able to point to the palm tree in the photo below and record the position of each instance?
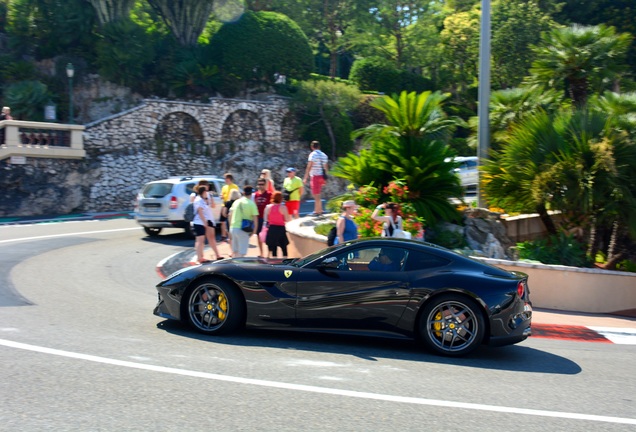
(579, 59)
(412, 147)
(577, 162)
(508, 107)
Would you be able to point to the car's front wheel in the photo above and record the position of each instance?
(152, 232)
(452, 325)
(214, 306)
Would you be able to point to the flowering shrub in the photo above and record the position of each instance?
(369, 196)
(367, 227)
(397, 190)
(415, 226)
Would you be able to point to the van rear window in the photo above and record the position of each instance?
(156, 190)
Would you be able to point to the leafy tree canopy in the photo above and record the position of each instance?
(260, 46)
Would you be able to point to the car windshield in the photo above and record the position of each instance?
(157, 190)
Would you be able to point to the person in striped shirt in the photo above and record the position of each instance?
(317, 166)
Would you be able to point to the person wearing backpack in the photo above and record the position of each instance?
(346, 228)
(241, 213)
(392, 221)
(203, 224)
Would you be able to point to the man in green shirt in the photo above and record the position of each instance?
(294, 186)
(243, 208)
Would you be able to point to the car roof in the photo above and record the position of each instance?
(464, 158)
(179, 179)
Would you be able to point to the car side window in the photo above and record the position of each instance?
(189, 188)
(373, 259)
(418, 260)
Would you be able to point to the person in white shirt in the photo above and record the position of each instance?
(203, 222)
(392, 219)
(317, 170)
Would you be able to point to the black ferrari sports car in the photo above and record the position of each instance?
(383, 287)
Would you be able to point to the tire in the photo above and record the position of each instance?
(152, 232)
(214, 306)
(452, 325)
(189, 232)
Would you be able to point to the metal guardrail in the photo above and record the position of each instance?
(40, 139)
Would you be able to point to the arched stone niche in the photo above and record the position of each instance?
(242, 126)
(179, 131)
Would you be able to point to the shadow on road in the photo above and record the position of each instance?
(178, 238)
(517, 358)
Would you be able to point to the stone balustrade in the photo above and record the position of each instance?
(42, 140)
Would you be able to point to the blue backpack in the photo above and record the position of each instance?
(188, 214)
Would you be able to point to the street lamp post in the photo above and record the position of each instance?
(70, 71)
(484, 93)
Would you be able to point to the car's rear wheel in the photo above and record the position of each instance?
(452, 325)
(152, 232)
(214, 306)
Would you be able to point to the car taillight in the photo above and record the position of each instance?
(174, 202)
(521, 289)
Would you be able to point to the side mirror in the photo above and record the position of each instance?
(330, 263)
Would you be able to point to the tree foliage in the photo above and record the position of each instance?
(577, 162)
(125, 52)
(411, 147)
(27, 99)
(112, 10)
(328, 104)
(516, 26)
(261, 46)
(185, 18)
(46, 28)
(378, 74)
(581, 59)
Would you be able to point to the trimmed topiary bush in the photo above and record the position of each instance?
(259, 46)
(378, 74)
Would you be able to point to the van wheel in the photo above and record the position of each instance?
(189, 232)
(152, 232)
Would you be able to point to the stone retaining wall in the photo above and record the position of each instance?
(156, 140)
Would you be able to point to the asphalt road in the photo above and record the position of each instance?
(81, 350)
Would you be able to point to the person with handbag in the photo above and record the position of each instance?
(243, 222)
(276, 216)
(203, 224)
(292, 192)
(262, 198)
(393, 223)
(317, 171)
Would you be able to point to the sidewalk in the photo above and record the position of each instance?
(19, 220)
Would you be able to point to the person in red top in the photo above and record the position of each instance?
(276, 215)
(262, 198)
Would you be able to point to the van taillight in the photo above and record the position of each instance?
(521, 289)
(174, 202)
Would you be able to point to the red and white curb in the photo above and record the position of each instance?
(615, 335)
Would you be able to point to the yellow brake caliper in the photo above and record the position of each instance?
(222, 306)
(438, 325)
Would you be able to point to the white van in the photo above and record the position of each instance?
(160, 204)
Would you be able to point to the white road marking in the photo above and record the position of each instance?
(623, 336)
(67, 235)
(321, 390)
